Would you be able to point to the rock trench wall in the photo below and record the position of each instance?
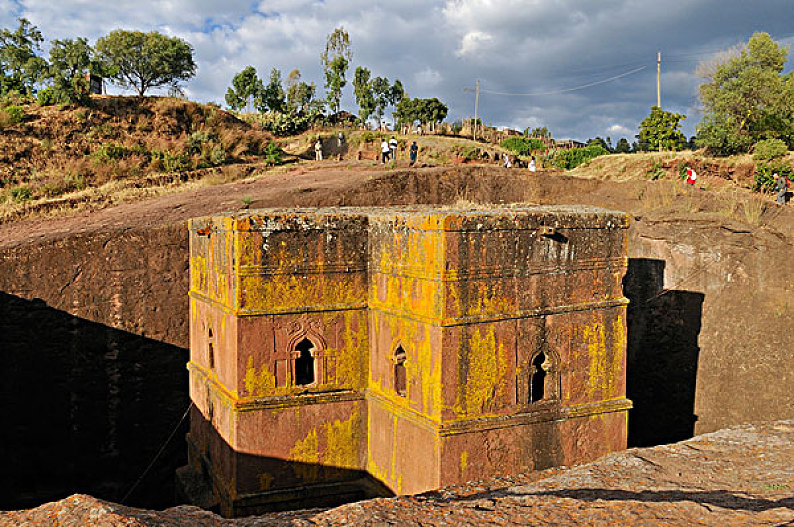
(93, 335)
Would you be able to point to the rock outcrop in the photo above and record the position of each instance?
(739, 476)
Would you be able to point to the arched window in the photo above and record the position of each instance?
(211, 350)
(400, 377)
(537, 378)
(304, 363)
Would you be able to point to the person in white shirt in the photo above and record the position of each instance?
(384, 151)
(393, 148)
(318, 150)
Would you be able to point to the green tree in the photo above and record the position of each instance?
(146, 60)
(245, 91)
(660, 130)
(273, 95)
(541, 132)
(746, 98)
(362, 90)
(381, 91)
(397, 95)
(599, 141)
(426, 111)
(20, 66)
(335, 60)
(623, 146)
(70, 61)
(299, 94)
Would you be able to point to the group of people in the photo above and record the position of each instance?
(388, 149)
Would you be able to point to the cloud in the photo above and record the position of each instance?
(427, 78)
(618, 130)
(439, 47)
(472, 42)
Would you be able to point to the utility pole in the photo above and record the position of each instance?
(476, 104)
(659, 80)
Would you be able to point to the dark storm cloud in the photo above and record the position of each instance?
(439, 48)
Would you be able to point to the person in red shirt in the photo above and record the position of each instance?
(691, 176)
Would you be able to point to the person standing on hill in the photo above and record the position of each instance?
(384, 151)
(393, 148)
(691, 176)
(532, 166)
(781, 185)
(414, 151)
(318, 150)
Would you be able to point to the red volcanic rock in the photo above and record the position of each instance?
(740, 476)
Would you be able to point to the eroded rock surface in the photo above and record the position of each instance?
(738, 476)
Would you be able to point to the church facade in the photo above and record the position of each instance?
(337, 354)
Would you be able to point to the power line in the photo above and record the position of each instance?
(566, 90)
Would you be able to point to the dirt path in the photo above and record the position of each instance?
(282, 187)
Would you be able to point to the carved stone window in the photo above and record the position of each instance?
(543, 379)
(304, 363)
(210, 349)
(537, 376)
(400, 376)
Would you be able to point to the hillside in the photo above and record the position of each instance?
(68, 157)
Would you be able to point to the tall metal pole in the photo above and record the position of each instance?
(476, 105)
(659, 80)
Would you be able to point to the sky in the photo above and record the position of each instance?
(580, 68)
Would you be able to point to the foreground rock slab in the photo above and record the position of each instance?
(738, 476)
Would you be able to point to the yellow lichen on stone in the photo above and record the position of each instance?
(306, 454)
(343, 440)
(484, 361)
(353, 358)
(464, 463)
(595, 339)
(258, 383)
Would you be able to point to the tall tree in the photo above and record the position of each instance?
(146, 60)
(335, 60)
(660, 130)
(362, 90)
(381, 91)
(273, 96)
(20, 65)
(245, 91)
(541, 132)
(623, 146)
(300, 94)
(746, 97)
(70, 61)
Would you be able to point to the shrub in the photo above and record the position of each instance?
(46, 97)
(110, 152)
(523, 146)
(570, 159)
(765, 175)
(280, 124)
(217, 155)
(769, 149)
(21, 194)
(15, 114)
(195, 141)
(469, 153)
(273, 154)
(656, 171)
